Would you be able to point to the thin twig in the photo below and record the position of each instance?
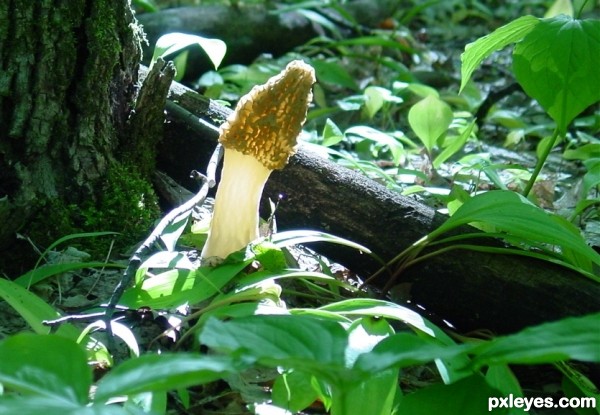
(146, 248)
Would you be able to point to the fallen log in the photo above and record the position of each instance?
(471, 290)
(250, 30)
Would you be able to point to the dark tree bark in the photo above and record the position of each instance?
(471, 290)
(68, 79)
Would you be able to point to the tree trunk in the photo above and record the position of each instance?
(67, 84)
(471, 290)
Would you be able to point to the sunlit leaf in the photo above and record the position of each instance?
(483, 47)
(515, 215)
(574, 338)
(430, 119)
(557, 62)
(46, 365)
(170, 43)
(314, 345)
(164, 372)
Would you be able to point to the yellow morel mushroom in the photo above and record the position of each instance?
(259, 137)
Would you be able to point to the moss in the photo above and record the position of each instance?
(126, 204)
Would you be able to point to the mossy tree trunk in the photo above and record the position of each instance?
(68, 74)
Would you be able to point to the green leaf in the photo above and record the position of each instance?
(313, 345)
(512, 213)
(454, 147)
(170, 43)
(173, 230)
(374, 395)
(49, 270)
(592, 178)
(33, 309)
(468, 396)
(289, 238)
(557, 64)
(483, 47)
(294, 391)
(380, 138)
(175, 287)
(331, 134)
(404, 349)
(376, 97)
(430, 119)
(500, 377)
(164, 372)
(333, 73)
(449, 368)
(49, 366)
(574, 338)
(584, 152)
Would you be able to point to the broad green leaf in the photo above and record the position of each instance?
(557, 64)
(374, 395)
(512, 213)
(575, 338)
(448, 368)
(430, 119)
(164, 372)
(36, 405)
(500, 377)
(49, 366)
(333, 73)
(293, 391)
(315, 346)
(483, 47)
(468, 396)
(363, 335)
(175, 287)
(33, 309)
(170, 43)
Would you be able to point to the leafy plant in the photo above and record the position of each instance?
(554, 61)
(174, 43)
(346, 365)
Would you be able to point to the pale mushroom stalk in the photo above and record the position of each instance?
(258, 137)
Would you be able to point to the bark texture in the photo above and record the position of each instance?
(471, 290)
(68, 74)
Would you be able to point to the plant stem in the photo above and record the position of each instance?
(540, 163)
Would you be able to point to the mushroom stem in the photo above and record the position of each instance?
(258, 137)
(235, 215)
